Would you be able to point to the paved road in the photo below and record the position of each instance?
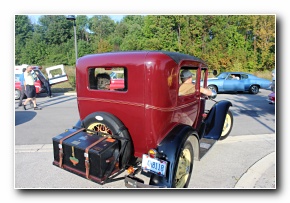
(246, 159)
(229, 164)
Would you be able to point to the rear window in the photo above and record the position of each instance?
(108, 78)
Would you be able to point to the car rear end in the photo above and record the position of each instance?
(271, 98)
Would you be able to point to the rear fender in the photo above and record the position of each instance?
(213, 124)
(170, 147)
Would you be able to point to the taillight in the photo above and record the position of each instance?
(152, 153)
(130, 170)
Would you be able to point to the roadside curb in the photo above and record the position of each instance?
(65, 93)
(70, 93)
(256, 171)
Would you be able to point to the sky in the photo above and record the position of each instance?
(116, 18)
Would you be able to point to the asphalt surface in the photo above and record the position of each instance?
(239, 162)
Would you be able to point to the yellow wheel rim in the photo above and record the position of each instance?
(227, 125)
(100, 127)
(183, 168)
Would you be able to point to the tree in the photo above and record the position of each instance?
(133, 37)
(23, 32)
(225, 42)
(101, 26)
(56, 29)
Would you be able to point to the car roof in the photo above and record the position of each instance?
(237, 72)
(176, 56)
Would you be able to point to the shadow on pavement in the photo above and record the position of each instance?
(20, 118)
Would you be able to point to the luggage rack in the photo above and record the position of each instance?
(109, 174)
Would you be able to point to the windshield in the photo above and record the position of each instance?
(222, 75)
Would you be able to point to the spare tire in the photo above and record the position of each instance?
(107, 123)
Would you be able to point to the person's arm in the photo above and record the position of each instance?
(206, 91)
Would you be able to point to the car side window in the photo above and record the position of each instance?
(244, 76)
(229, 77)
(187, 85)
(100, 78)
(234, 77)
(222, 76)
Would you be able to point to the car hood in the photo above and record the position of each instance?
(209, 79)
(212, 79)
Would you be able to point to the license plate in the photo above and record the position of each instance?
(154, 165)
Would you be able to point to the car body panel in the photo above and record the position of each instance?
(225, 83)
(59, 76)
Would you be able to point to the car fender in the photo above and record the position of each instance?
(218, 83)
(213, 124)
(170, 147)
(78, 124)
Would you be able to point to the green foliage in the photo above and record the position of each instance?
(72, 81)
(225, 42)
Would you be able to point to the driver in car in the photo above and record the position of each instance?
(187, 87)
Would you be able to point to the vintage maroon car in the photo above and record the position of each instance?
(144, 125)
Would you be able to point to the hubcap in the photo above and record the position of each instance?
(100, 127)
(255, 89)
(227, 125)
(183, 168)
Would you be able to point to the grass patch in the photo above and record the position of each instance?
(265, 75)
(62, 87)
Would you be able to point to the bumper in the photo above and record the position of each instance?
(270, 101)
(134, 182)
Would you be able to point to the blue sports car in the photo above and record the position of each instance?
(237, 82)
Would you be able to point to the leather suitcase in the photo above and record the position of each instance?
(88, 155)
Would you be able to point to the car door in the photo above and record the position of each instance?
(233, 83)
(189, 103)
(56, 74)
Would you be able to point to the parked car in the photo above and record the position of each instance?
(117, 79)
(37, 83)
(271, 98)
(146, 126)
(237, 82)
(56, 74)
